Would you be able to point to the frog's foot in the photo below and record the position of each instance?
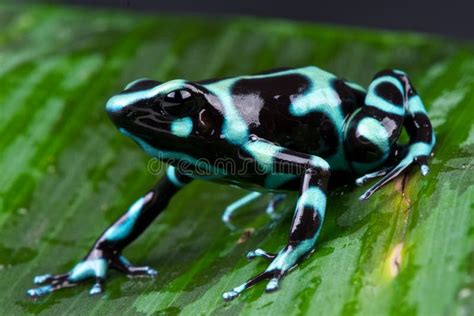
(280, 265)
(89, 269)
(49, 284)
(391, 173)
(271, 286)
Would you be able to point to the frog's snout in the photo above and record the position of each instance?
(135, 91)
(118, 109)
(115, 104)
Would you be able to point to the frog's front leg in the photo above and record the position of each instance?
(230, 209)
(308, 217)
(107, 250)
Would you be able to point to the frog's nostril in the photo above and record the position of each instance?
(128, 112)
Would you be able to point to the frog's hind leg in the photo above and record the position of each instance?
(232, 208)
(419, 129)
(392, 103)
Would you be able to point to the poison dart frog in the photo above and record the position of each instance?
(301, 129)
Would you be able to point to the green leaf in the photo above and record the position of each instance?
(66, 173)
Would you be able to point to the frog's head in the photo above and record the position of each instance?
(174, 115)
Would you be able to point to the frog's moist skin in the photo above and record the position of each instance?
(298, 129)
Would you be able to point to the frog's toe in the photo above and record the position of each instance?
(424, 169)
(141, 272)
(49, 278)
(260, 253)
(366, 177)
(272, 285)
(123, 265)
(98, 287)
(39, 291)
(55, 283)
(42, 279)
(229, 296)
(422, 161)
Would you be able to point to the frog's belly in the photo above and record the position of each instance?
(263, 183)
(274, 182)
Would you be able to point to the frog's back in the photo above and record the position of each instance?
(302, 109)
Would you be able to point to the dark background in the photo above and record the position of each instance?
(454, 18)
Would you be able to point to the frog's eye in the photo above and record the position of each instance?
(179, 103)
